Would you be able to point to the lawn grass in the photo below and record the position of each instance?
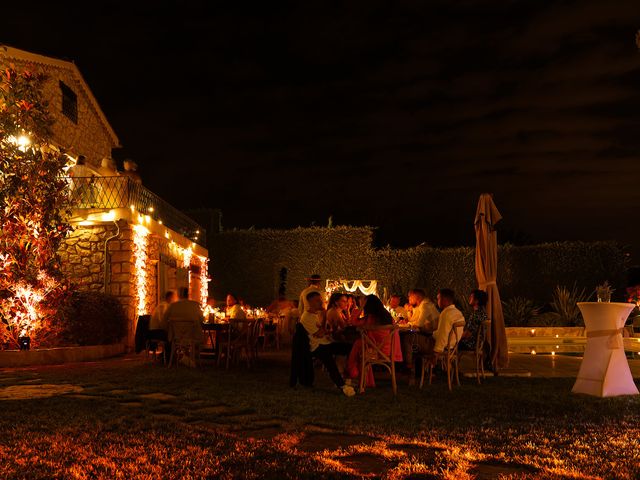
(213, 423)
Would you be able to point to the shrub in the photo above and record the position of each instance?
(519, 311)
(549, 319)
(565, 302)
(92, 318)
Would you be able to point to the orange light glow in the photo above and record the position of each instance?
(140, 244)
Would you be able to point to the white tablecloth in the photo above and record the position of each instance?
(604, 371)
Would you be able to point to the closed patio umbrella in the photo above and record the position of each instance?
(487, 215)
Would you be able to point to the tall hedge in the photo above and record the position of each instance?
(249, 262)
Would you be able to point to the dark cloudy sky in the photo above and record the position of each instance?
(396, 114)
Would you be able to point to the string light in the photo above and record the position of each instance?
(204, 281)
(140, 244)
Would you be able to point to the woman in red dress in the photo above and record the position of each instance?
(374, 314)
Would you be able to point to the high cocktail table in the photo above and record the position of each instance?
(604, 371)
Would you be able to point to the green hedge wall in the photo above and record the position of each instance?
(248, 262)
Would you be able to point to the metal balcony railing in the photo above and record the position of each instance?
(123, 192)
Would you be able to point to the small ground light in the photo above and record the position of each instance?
(150, 209)
(533, 352)
(553, 353)
(24, 343)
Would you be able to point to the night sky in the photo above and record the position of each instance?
(393, 114)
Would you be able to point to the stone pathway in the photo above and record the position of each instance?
(32, 391)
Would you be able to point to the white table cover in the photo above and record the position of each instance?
(604, 371)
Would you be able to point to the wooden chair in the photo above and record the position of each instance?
(240, 339)
(372, 354)
(478, 353)
(448, 358)
(271, 333)
(184, 340)
(145, 341)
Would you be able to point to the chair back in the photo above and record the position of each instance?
(452, 341)
(181, 330)
(254, 331)
(373, 350)
(482, 336)
(142, 332)
(241, 331)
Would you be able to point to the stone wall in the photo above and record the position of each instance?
(83, 263)
(83, 255)
(121, 282)
(89, 137)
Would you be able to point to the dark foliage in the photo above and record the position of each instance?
(91, 318)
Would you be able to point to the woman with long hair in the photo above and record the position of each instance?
(374, 315)
(473, 325)
(336, 319)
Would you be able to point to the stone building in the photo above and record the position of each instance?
(126, 240)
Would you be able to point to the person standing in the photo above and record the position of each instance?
(314, 286)
(321, 346)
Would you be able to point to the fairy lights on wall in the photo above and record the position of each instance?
(140, 259)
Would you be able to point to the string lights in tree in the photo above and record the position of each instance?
(34, 209)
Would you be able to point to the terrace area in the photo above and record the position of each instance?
(102, 195)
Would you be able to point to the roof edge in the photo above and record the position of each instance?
(12, 52)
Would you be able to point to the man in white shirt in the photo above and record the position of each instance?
(314, 286)
(157, 318)
(448, 317)
(424, 314)
(427, 345)
(185, 309)
(320, 344)
(397, 311)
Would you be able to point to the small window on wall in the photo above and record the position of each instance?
(69, 102)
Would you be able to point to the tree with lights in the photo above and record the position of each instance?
(33, 210)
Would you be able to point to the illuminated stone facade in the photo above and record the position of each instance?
(101, 253)
(87, 132)
(101, 258)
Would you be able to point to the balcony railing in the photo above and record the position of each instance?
(123, 192)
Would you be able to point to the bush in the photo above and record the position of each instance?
(565, 305)
(92, 318)
(549, 319)
(519, 312)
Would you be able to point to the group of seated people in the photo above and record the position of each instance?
(333, 331)
(178, 307)
(332, 328)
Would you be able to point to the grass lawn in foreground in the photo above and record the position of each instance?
(127, 418)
